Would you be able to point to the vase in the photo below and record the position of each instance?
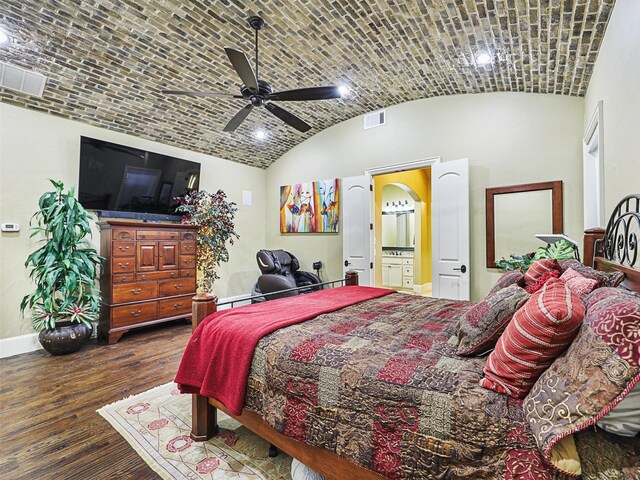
(66, 337)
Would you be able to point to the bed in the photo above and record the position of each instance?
(376, 389)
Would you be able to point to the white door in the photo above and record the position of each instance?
(357, 227)
(450, 229)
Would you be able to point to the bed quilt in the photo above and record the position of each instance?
(380, 384)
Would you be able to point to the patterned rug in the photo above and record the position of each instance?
(157, 423)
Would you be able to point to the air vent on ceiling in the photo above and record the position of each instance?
(21, 80)
(375, 119)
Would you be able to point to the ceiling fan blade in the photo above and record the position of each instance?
(288, 117)
(201, 94)
(312, 93)
(238, 118)
(242, 67)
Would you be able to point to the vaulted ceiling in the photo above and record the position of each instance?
(107, 60)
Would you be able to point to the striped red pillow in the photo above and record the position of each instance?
(539, 268)
(537, 334)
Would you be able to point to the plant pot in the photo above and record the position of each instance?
(66, 338)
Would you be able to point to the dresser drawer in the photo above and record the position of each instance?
(134, 313)
(122, 265)
(158, 235)
(133, 292)
(407, 261)
(391, 261)
(187, 248)
(187, 273)
(157, 275)
(187, 261)
(407, 282)
(188, 236)
(123, 249)
(407, 271)
(123, 234)
(177, 287)
(123, 278)
(174, 306)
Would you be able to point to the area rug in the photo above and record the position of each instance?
(157, 423)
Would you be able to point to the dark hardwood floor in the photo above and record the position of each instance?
(49, 427)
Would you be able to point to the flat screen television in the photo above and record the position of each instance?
(126, 182)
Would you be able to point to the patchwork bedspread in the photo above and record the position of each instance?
(380, 384)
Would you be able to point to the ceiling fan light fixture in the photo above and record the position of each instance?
(260, 134)
(344, 90)
(483, 58)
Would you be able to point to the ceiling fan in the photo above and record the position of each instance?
(259, 93)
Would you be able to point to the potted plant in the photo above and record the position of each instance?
(64, 269)
(559, 250)
(213, 215)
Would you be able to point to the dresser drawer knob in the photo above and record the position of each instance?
(177, 305)
(144, 277)
(188, 247)
(123, 249)
(136, 292)
(173, 274)
(188, 262)
(121, 265)
(136, 314)
(124, 236)
(178, 285)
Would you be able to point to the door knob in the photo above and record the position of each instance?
(462, 269)
(346, 263)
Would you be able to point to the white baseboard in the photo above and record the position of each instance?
(21, 344)
(425, 287)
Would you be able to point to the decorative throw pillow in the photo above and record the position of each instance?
(539, 283)
(482, 325)
(538, 268)
(537, 334)
(598, 370)
(513, 277)
(605, 279)
(578, 284)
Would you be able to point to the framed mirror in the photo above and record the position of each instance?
(514, 214)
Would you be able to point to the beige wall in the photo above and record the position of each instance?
(510, 138)
(36, 146)
(616, 81)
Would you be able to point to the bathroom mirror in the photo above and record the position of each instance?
(514, 214)
(398, 229)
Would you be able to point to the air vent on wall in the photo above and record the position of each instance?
(375, 119)
(21, 80)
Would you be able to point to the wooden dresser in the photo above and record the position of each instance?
(149, 275)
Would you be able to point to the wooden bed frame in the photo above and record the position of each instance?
(324, 462)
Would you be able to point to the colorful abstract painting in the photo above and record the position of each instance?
(310, 207)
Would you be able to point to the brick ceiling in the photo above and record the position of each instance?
(107, 59)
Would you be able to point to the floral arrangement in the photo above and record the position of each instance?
(213, 215)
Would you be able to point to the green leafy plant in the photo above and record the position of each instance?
(213, 215)
(559, 250)
(65, 268)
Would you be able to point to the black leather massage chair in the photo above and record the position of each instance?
(280, 272)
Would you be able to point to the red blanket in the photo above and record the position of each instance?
(217, 359)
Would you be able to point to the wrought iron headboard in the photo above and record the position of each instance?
(623, 232)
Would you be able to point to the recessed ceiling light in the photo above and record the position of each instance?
(260, 134)
(344, 90)
(4, 38)
(483, 58)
